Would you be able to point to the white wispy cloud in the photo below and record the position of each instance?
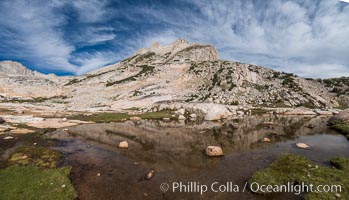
(304, 37)
(91, 61)
(32, 31)
(90, 10)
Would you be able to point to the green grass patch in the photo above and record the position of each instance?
(145, 70)
(73, 81)
(88, 76)
(129, 58)
(32, 183)
(101, 117)
(145, 56)
(132, 108)
(295, 169)
(259, 111)
(279, 104)
(342, 128)
(155, 115)
(137, 93)
(192, 48)
(33, 100)
(118, 117)
(36, 156)
(307, 104)
(341, 163)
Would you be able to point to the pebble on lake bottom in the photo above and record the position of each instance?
(150, 174)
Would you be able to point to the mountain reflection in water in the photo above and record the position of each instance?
(168, 145)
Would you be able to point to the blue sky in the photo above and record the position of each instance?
(306, 37)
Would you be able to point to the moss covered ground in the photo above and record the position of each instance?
(295, 169)
(33, 183)
(32, 171)
(343, 128)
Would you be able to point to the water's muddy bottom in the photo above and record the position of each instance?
(175, 152)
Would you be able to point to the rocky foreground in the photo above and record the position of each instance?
(180, 75)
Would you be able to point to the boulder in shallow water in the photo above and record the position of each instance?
(135, 118)
(166, 119)
(214, 151)
(181, 117)
(123, 145)
(215, 112)
(302, 145)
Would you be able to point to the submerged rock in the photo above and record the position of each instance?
(302, 145)
(2, 120)
(39, 156)
(123, 145)
(213, 151)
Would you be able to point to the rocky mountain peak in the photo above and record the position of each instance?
(175, 73)
(12, 68)
(9, 68)
(181, 50)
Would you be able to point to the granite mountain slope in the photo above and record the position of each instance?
(179, 72)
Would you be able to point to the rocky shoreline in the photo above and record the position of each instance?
(19, 113)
